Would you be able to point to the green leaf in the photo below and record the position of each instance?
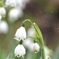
(39, 35)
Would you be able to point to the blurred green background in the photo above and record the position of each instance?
(46, 14)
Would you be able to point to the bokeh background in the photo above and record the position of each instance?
(45, 13)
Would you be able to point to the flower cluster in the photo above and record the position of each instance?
(16, 3)
(11, 10)
(16, 11)
(32, 40)
(20, 50)
(3, 24)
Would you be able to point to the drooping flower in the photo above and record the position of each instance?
(36, 47)
(20, 34)
(19, 51)
(48, 57)
(16, 3)
(3, 27)
(2, 11)
(28, 43)
(14, 14)
(21, 4)
(31, 32)
(48, 52)
(10, 3)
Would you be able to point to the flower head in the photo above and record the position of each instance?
(31, 32)
(48, 52)
(19, 51)
(20, 34)
(28, 43)
(16, 3)
(10, 3)
(2, 11)
(36, 47)
(14, 14)
(3, 27)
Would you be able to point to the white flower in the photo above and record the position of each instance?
(36, 47)
(31, 31)
(14, 14)
(2, 11)
(48, 57)
(3, 27)
(48, 52)
(16, 3)
(28, 43)
(21, 3)
(19, 51)
(20, 34)
(10, 3)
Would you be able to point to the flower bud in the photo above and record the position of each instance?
(10, 3)
(28, 43)
(3, 27)
(20, 34)
(2, 11)
(19, 51)
(31, 32)
(36, 47)
(15, 13)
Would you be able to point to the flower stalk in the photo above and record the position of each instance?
(39, 36)
(24, 22)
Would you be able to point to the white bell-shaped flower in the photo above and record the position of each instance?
(14, 14)
(36, 47)
(31, 32)
(3, 27)
(2, 11)
(28, 43)
(16, 3)
(19, 51)
(10, 3)
(21, 3)
(48, 52)
(48, 57)
(20, 34)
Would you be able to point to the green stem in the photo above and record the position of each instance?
(24, 22)
(43, 53)
(40, 39)
(39, 36)
(1, 4)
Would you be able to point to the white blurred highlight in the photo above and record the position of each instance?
(28, 43)
(14, 14)
(16, 3)
(31, 31)
(3, 27)
(2, 11)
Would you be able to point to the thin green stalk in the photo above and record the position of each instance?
(43, 53)
(39, 36)
(24, 22)
(40, 39)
